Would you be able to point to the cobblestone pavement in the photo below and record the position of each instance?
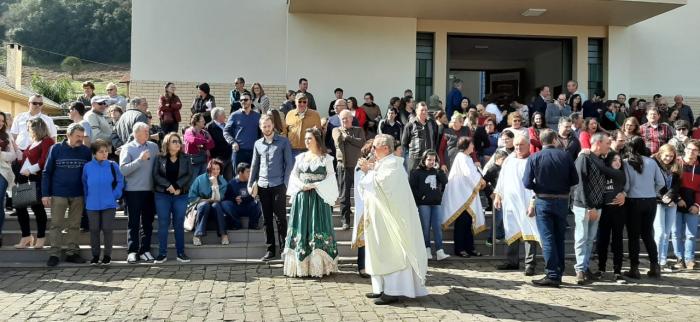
(460, 291)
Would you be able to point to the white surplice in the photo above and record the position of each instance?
(462, 194)
(515, 199)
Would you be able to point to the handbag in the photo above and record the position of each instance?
(191, 215)
(24, 195)
(199, 158)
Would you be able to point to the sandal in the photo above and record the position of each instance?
(25, 242)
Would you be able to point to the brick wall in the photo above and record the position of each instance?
(187, 91)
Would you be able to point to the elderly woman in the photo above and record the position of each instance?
(172, 176)
(515, 121)
(29, 170)
(198, 142)
(208, 190)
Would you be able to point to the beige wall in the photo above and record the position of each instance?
(659, 55)
(357, 54)
(209, 41)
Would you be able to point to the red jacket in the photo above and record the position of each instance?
(361, 116)
(169, 109)
(535, 143)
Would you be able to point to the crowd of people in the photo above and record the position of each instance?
(615, 164)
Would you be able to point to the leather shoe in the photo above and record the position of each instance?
(507, 267)
(530, 271)
(75, 259)
(52, 262)
(633, 273)
(373, 295)
(269, 255)
(386, 299)
(546, 282)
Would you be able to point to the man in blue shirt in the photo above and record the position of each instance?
(454, 98)
(550, 173)
(269, 176)
(62, 190)
(241, 130)
(238, 202)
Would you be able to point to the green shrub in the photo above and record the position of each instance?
(59, 91)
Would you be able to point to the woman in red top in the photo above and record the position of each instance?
(534, 132)
(590, 125)
(357, 111)
(198, 142)
(29, 170)
(169, 109)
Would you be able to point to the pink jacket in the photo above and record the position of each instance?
(195, 140)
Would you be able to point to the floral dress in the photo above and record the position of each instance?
(310, 248)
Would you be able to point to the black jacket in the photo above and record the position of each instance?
(417, 138)
(427, 186)
(222, 149)
(184, 176)
(491, 178)
(481, 140)
(199, 105)
(614, 183)
(674, 191)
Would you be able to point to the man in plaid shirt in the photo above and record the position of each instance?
(655, 134)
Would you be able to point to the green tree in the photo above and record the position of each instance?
(72, 65)
(59, 91)
(98, 30)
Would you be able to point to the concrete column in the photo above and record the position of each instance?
(580, 68)
(440, 65)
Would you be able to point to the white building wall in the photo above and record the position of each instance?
(213, 41)
(659, 55)
(357, 54)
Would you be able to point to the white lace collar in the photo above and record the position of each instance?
(309, 161)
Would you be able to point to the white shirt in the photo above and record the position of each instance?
(20, 129)
(493, 109)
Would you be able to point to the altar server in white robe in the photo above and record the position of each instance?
(461, 202)
(518, 215)
(395, 255)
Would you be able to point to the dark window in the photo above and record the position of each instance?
(595, 65)
(425, 43)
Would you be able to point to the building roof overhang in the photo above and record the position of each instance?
(569, 12)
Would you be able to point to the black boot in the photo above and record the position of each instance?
(633, 273)
(654, 271)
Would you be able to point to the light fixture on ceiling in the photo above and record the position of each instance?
(533, 12)
(481, 47)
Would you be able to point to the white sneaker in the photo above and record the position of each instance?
(196, 241)
(224, 240)
(147, 257)
(429, 252)
(440, 254)
(132, 258)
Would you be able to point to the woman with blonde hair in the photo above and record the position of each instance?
(29, 171)
(515, 121)
(666, 200)
(260, 101)
(447, 150)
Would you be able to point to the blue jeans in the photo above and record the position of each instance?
(585, 233)
(430, 216)
(663, 225)
(684, 234)
(204, 211)
(500, 230)
(171, 208)
(247, 209)
(3, 189)
(551, 223)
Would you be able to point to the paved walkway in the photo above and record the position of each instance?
(460, 291)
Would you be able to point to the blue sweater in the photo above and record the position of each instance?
(97, 184)
(242, 129)
(234, 189)
(63, 170)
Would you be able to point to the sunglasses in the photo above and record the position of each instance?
(102, 103)
(175, 142)
(303, 102)
(37, 103)
(244, 99)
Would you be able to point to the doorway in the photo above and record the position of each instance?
(508, 68)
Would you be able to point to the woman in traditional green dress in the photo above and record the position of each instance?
(310, 248)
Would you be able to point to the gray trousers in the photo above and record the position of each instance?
(101, 220)
(513, 253)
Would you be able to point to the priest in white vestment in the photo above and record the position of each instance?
(394, 248)
(518, 216)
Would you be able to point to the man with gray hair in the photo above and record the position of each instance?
(222, 149)
(394, 248)
(348, 140)
(556, 110)
(62, 190)
(588, 201)
(419, 135)
(136, 162)
(125, 125)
